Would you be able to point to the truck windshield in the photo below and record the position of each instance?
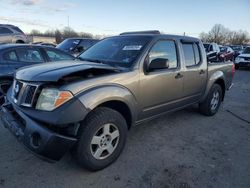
(68, 44)
(247, 50)
(121, 51)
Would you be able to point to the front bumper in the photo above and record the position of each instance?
(36, 137)
(243, 63)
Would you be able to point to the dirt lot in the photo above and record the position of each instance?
(183, 149)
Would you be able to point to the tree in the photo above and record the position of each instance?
(222, 35)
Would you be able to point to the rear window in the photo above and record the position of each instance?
(10, 56)
(17, 30)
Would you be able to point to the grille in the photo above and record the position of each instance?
(24, 93)
(29, 94)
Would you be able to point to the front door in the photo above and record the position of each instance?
(161, 89)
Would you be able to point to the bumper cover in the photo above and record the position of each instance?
(37, 138)
(243, 64)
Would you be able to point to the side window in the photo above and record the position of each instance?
(29, 55)
(165, 50)
(10, 56)
(188, 54)
(191, 54)
(4, 30)
(57, 55)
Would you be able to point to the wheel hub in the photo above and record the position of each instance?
(105, 140)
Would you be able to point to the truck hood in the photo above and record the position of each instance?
(54, 71)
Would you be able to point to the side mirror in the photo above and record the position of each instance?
(158, 63)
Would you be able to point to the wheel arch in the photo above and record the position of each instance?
(112, 96)
(216, 78)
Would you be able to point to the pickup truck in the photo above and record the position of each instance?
(124, 80)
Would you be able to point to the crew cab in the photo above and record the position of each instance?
(121, 81)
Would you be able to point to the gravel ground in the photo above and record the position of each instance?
(183, 149)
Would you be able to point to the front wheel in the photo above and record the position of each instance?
(211, 104)
(102, 137)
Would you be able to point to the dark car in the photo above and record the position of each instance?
(237, 49)
(226, 53)
(75, 46)
(14, 56)
(212, 51)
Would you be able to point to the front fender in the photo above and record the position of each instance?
(98, 95)
(211, 80)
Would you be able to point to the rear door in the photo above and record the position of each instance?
(195, 73)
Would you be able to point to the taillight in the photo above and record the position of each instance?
(233, 69)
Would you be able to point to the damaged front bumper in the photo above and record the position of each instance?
(34, 135)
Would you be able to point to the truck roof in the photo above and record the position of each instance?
(156, 33)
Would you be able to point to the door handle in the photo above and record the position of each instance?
(202, 71)
(178, 75)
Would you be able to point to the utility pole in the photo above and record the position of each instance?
(68, 21)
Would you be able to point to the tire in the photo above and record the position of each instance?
(237, 67)
(4, 86)
(95, 154)
(211, 104)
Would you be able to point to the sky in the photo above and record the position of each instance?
(112, 17)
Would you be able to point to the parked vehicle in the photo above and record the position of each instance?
(14, 56)
(12, 34)
(213, 51)
(75, 46)
(123, 80)
(243, 60)
(45, 44)
(237, 50)
(226, 53)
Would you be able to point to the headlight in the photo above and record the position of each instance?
(238, 59)
(50, 99)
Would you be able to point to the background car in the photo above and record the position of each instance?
(237, 49)
(45, 44)
(243, 60)
(212, 50)
(12, 34)
(75, 46)
(14, 56)
(226, 53)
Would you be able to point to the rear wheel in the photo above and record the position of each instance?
(102, 137)
(4, 86)
(212, 102)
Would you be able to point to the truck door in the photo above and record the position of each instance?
(195, 73)
(161, 88)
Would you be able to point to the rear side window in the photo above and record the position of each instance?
(4, 30)
(10, 56)
(57, 55)
(29, 55)
(191, 53)
(166, 50)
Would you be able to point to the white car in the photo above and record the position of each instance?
(243, 60)
(12, 34)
